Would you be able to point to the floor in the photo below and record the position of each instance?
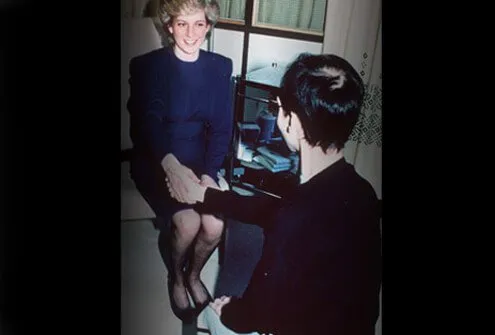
(145, 306)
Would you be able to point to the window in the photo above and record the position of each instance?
(232, 11)
(299, 16)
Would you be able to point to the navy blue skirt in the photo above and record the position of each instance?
(149, 179)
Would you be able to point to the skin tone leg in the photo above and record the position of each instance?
(186, 226)
(208, 237)
(207, 240)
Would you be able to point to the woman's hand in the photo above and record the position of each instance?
(179, 178)
(218, 304)
(207, 181)
(194, 192)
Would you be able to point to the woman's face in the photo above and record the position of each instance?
(189, 32)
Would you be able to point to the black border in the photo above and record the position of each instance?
(60, 168)
(61, 162)
(427, 157)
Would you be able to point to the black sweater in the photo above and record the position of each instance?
(320, 270)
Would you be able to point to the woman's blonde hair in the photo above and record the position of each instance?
(166, 10)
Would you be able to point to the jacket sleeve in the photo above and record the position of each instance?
(257, 209)
(221, 122)
(238, 316)
(146, 107)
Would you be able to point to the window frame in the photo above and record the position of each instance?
(248, 25)
(248, 28)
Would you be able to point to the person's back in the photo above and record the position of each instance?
(322, 95)
(336, 254)
(323, 255)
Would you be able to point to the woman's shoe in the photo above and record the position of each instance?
(188, 314)
(199, 305)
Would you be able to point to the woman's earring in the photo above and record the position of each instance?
(287, 129)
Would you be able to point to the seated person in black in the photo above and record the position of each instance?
(320, 269)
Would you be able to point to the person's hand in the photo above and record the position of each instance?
(207, 181)
(195, 192)
(218, 304)
(178, 178)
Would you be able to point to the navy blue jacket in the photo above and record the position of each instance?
(184, 108)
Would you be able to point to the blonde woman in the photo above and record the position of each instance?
(181, 124)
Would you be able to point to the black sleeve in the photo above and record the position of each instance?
(256, 209)
(239, 316)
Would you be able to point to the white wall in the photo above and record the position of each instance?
(138, 36)
(265, 50)
(229, 43)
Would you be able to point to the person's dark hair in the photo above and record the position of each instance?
(326, 93)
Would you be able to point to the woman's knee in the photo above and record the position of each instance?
(212, 227)
(186, 223)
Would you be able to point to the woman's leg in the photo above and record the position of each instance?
(186, 224)
(180, 225)
(208, 237)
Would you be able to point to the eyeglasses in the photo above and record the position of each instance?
(274, 106)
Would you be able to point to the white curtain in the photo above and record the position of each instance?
(232, 9)
(298, 14)
(354, 31)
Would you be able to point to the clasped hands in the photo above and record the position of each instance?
(182, 182)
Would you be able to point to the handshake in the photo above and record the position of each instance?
(183, 184)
